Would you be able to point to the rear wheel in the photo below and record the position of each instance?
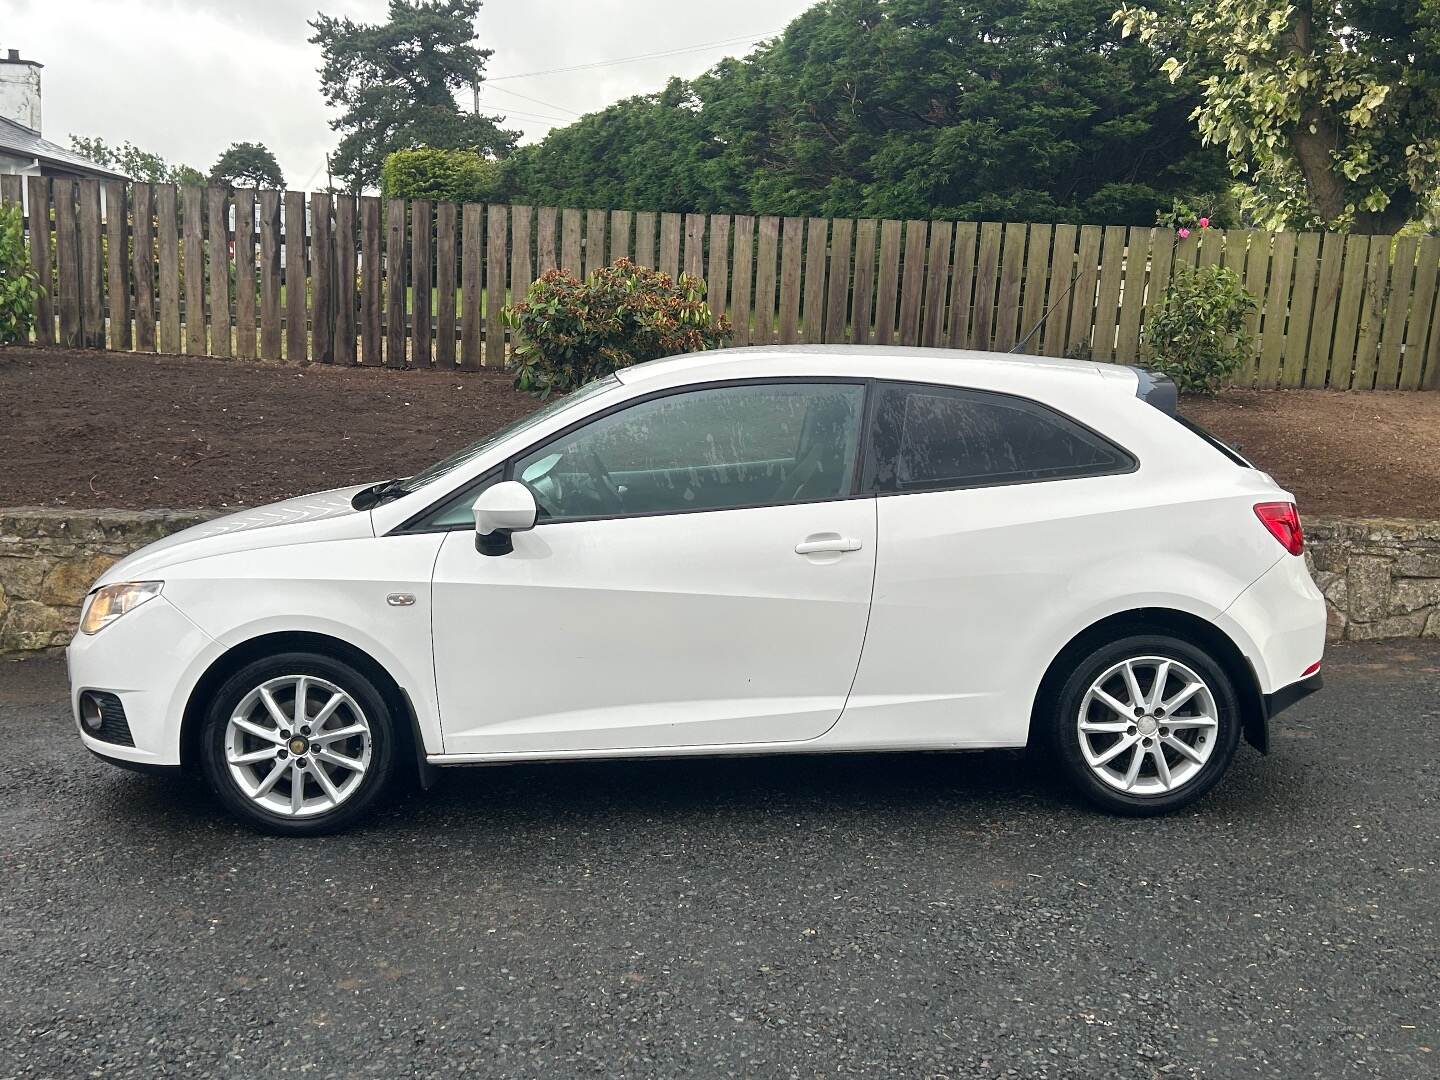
(298, 744)
(1146, 724)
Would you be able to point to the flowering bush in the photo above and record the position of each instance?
(1198, 336)
(572, 331)
(19, 285)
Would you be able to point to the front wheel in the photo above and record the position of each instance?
(298, 744)
(1146, 725)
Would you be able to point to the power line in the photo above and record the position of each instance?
(527, 97)
(632, 59)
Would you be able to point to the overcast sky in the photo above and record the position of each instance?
(185, 78)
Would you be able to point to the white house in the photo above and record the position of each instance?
(22, 150)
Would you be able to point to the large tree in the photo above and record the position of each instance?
(1330, 109)
(395, 84)
(1002, 109)
(247, 164)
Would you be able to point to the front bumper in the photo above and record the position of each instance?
(148, 658)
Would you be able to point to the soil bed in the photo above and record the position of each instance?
(90, 429)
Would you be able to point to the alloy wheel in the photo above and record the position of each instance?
(298, 746)
(1148, 725)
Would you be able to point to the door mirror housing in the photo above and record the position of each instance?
(501, 509)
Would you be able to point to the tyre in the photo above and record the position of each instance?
(1145, 725)
(298, 744)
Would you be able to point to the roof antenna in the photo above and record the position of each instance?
(1024, 340)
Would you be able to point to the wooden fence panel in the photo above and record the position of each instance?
(520, 270)
(446, 283)
(1162, 255)
(1413, 364)
(717, 269)
(167, 250)
(218, 259)
(472, 264)
(987, 271)
(670, 244)
(296, 300)
(497, 226)
(1132, 295)
(1084, 293)
(1107, 297)
(117, 263)
(192, 204)
(619, 235)
(962, 284)
(322, 281)
(742, 276)
(1301, 303)
(645, 239)
(766, 255)
(244, 200)
(1372, 313)
(270, 300)
(545, 237)
(1037, 278)
(142, 264)
(421, 231)
(1275, 302)
(694, 261)
(863, 307)
(38, 189)
(937, 283)
(792, 240)
(571, 255)
(594, 241)
(372, 281)
(1325, 311)
(1347, 318)
(1397, 304)
(12, 191)
(912, 282)
(1012, 275)
(1257, 268)
(396, 283)
(345, 268)
(838, 295)
(887, 287)
(1187, 249)
(813, 314)
(92, 267)
(67, 262)
(1213, 244)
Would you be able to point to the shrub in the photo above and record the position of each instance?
(459, 176)
(19, 284)
(572, 331)
(1198, 336)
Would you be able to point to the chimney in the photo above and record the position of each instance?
(20, 90)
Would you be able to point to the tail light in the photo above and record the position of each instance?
(1283, 521)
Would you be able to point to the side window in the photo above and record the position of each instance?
(926, 437)
(715, 448)
(458, 510)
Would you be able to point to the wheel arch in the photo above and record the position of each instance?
(237, 656)
(1182, 624)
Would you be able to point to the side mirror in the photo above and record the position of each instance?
(502, 509)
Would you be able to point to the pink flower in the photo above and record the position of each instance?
(1204, 223)
(1184, 233)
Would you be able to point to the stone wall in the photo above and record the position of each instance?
(50, 558)
(1381, 578)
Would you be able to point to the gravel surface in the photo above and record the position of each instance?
(915, 916)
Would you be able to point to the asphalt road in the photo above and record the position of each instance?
(916, 916)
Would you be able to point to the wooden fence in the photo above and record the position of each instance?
(346, 280)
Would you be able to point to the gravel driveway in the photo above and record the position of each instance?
(907, 915)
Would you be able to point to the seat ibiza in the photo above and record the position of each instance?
(749, 551)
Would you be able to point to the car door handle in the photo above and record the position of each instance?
(827, 542)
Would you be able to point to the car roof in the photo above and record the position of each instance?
(961, 367)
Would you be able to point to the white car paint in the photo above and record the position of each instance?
(708, 632)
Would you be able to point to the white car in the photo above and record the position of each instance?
(748, 551)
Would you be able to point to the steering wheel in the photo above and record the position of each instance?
(601, 475)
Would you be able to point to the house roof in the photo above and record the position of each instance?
(21, 141)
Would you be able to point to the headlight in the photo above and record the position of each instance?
(109, 603)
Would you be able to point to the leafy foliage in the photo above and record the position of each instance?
(1027, 110)
(459, 176)
(395, 84)
(135, 163)
(1198, 336)
(572, 331)
(19, 284)
(1330, 109)
(247, 164)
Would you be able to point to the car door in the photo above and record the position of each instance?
(699, 575)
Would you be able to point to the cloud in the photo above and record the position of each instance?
(185, 78)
